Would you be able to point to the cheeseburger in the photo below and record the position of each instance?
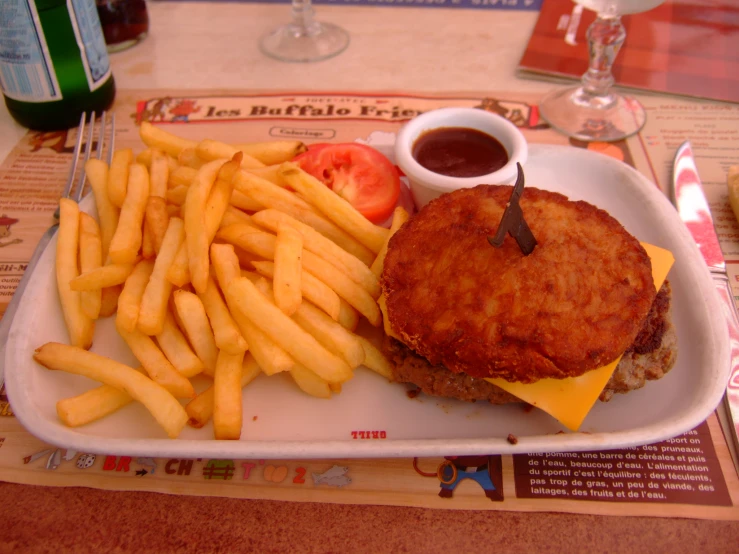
(463, 318)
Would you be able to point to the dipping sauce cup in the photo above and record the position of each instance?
(426, 184)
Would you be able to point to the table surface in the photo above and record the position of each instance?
(214, 46)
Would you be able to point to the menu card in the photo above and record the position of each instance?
(680, 47)
(687, 476)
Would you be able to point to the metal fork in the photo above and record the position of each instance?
(7, 319)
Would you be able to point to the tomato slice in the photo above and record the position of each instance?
(358, 173)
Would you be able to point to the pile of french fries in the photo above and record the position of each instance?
(220, 260)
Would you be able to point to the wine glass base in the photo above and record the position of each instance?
(572, 112)
(295, 43)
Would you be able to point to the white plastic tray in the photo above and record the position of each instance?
(374, 418)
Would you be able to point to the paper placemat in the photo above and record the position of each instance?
(678, 47)
(528, 5)
(688, 476)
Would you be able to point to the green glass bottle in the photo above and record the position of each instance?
(53, 62)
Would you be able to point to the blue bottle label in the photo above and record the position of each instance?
(26, 71)
(86, 23)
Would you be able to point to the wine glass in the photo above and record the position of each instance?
(593, 111)
(303, 39)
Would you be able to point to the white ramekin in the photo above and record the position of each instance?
(427, 185)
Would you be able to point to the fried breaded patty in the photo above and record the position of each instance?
(646, 360)
(574, 304)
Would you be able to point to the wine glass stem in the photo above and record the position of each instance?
(605, 36)
(302, 12)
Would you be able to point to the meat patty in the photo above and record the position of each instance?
(655, 356)
(574, 304)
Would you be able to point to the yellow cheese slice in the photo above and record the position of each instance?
(569, 400)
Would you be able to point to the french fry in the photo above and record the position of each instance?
(374, 359)
(267, 353)
(154, 137)
(215, 150)
(165, 408)
(118, 176)
(273, 152)
(218, 199)
(157, 219)
(197, 328)
(158, 174)
(338, 210)
(177, 350)
(288, 269)
(312, 289)
(177, 195)
(79, 326)
(227, 335)
(181, 176)
(148, 252)
(225, 263)
(271, 173)
(400, 216)
(234, 215)
(90, 259)
(263, 244)
(126, 242)
(243, 202)
(179, 271)
(153, 308)
(174, 210)
(273, 196)
(330, 334)
(92, 405)
(144, 158)
(352, 266)
(156, 364)
(97, 175)
(195, 230)
(200, 408)
(189, 158)
(109, 300)
(309, 382)
(129, 301)
(227, 404)
(101, 277)
(348, 316)
(300, 345)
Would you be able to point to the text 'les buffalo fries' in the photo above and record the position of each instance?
(216, 259)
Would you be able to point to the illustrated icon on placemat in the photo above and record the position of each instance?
(521, 114)
(333, 477)
(486, 471)
(85, 461)
(53, 140)
(219, 469)
(5, 224)
(275, 474)
(183, 110)
(147, 463)
(56, 456)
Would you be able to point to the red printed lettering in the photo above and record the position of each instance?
(109, 463)
(185, 467)
(247, 469)
(299, 475)
(168, 469)
(123, 463)
(369, 434)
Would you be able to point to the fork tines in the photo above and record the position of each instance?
(106, 127)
